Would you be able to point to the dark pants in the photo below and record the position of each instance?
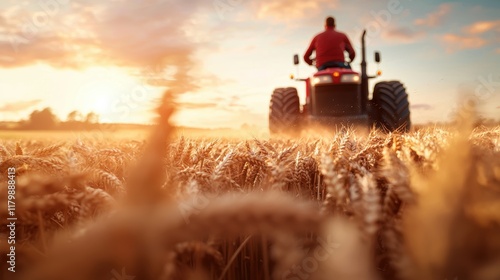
(334, 64)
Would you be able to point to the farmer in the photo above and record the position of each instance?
(330, 46)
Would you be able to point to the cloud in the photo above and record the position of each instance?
(473, 36)
(456, 43)
(128, 33)
(422, 107)
(481, 27)
(288, 10)
(403, 34)
(3, 22)
(19, 106)
(435, 18)
(409, 35)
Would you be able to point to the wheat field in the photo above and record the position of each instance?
(421, 205)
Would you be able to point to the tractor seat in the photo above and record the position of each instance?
(334, 64)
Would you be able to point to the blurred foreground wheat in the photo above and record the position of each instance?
(423, 205)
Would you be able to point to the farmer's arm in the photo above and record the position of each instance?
(349, 48)
(312, 47)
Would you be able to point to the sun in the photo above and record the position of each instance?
(101, 104)
(99, 97)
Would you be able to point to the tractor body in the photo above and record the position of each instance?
(334, 96)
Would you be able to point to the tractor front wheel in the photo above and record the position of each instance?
(390, 107)
(284, 111)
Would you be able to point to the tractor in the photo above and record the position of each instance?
(340, 96)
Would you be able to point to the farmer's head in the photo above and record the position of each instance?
(330, 22)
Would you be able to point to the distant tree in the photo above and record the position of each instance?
(74, 116)
(43, 119)
(92, 118)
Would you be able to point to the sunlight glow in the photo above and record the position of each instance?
(101, 105)
(99, 98)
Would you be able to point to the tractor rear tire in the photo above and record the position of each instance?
(284, 111)
(390, 107)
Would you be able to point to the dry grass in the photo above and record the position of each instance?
(423, 205)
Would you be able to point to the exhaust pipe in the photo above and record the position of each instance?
(364, 75)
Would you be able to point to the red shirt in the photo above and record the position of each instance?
(329, 46)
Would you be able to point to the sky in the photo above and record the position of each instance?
(223, 58)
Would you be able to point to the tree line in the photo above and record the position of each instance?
(45, 119)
